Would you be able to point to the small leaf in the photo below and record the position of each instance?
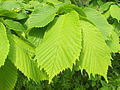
(14, 25)
(113, 43)
(41, 17)
(105, 6)
(68, 7)
(116, 26)
(115, 11)
(7, 13)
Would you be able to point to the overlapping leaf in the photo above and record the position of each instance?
(14, 25)
(41, 17)
(101, 23)
(7, 13)
(4, 44)
(8, 76)
(95, 56)
(68, 7)
(116, 26)
(115, 11)
(21, 55)
(114, 43)
(105, 6)
(61, 44)
(10, 5)
(35, 36)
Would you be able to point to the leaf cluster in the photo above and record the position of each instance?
(43, 38)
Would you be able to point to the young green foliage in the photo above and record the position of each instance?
(95, 57)
(115, 11)
(99, 20)
(43, 39)
(14, 25)
(21, 55)
(41, 17)
(61, 44)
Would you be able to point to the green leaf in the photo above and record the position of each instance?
(95, 56)
(107, 14)
(8, 76)
(114, 43)
(67, 8)
(115, 11)
(14, 25)
(105, 6)
(61, 45)
(21, 54)
(7, 13)
(100, 21)
(66, 1)
(22, 15)
(10, 5)
(116, 26)
(4, 44)
(41, 17)
(35, 36)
